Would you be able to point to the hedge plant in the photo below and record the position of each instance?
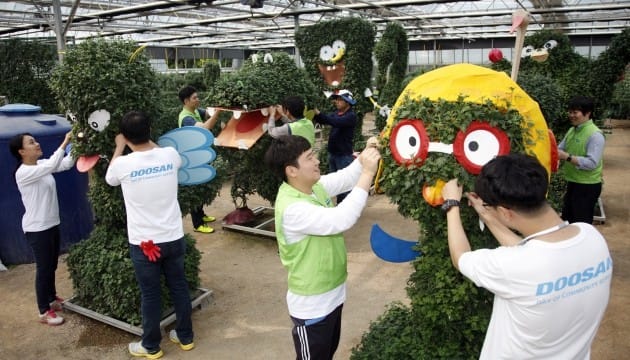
(99, 74)
(392, 57)
(620, 102)
(448, 314)
(26, 66)
(607, 70)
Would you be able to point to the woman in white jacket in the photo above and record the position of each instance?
(40, 222)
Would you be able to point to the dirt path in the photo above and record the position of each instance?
(247, 318)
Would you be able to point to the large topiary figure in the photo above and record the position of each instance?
(446, 124)
(337, 54)
(113, 76)
(263, 80)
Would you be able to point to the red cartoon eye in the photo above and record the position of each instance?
(409, 141)
(478, 145)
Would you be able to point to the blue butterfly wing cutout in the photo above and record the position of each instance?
(193, 145)
(390, 248)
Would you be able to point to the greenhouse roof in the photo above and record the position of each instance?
(232, 24)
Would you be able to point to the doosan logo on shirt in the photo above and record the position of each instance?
(151, 172)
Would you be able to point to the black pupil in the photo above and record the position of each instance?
(412, 141)
(473, 146)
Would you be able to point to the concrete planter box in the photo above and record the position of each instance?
(201, 300)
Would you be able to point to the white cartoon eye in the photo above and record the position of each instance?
(479, 144)
(409, 141)
(527, 51)
(338, 45)
(550, 44)
(99, 119)
(326, 53)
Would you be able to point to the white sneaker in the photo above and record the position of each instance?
(173, 336)
(136, 349)
(50, 318)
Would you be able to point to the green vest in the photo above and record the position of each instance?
(575, 144)
(304, 128)
(185, 113)
(315, 264)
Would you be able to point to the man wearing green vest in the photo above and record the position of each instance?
(193, 115)
(582, 150)
(309, 231)
(292, 109)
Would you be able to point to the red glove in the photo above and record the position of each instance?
(150, 250)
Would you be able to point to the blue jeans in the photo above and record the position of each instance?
(171, 264)
(45, 245)
(338, 162)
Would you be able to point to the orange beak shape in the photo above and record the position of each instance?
(433, 194)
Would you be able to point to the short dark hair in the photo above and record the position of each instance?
(284, 151)
(136, 127)
(295, 106)
(515, 181)
(582, 103)
(16, 144)
(186, 92)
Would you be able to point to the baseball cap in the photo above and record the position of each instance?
(344, 94)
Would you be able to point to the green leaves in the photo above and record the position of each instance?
(26, 66)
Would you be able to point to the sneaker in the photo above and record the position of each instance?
(136, 349)
(205, 229)
(173, 336)
(50, 318)
(57, 304)
(207, 218)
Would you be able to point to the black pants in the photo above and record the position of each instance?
(317, 338)
(197, 215)
(45, 245)
(579, 202)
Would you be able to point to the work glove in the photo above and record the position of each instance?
(150, 250)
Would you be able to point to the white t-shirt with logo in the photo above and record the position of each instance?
(549, 297)
(149, 186)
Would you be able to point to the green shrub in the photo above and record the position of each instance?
(620, 102)
(392, 56)
(26, 67)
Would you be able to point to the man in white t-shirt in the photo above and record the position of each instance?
(552, 286)
(148, 177)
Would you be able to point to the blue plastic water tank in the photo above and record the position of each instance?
(74, 208)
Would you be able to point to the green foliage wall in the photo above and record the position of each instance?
(392, 56)
(448, 315)
(99, 74)
(256, 85)
(607, 70)
(26, 67)
(620, 102)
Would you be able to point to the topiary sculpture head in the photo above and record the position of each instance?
(264, 80)
(446, 124)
